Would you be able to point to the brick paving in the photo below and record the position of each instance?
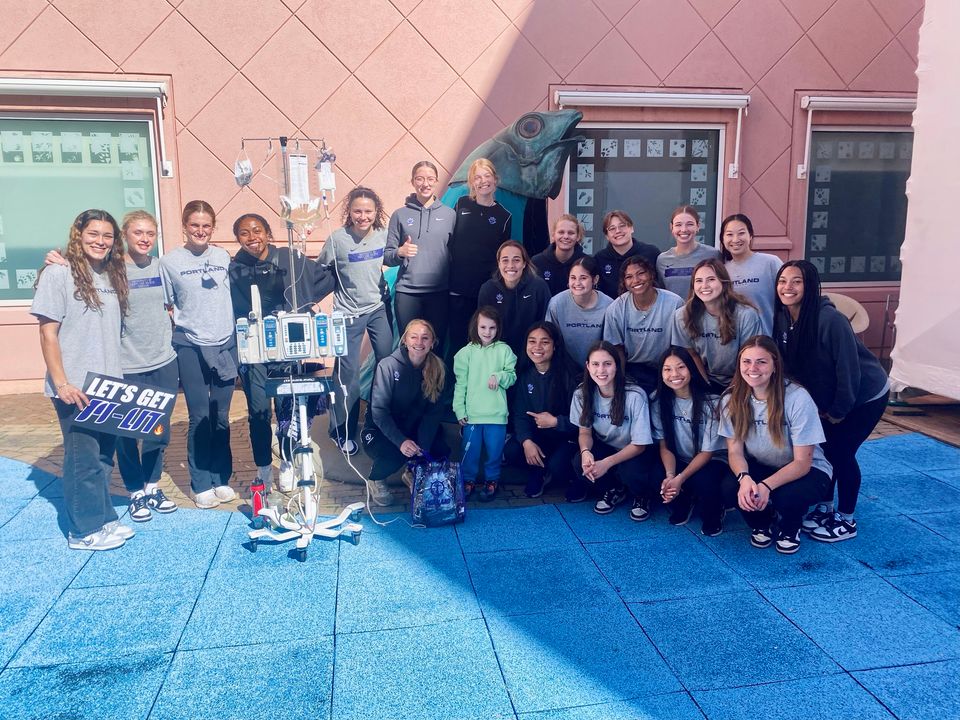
(30, 434)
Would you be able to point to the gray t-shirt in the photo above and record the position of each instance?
(801, 422)
(580, 328)
(635, 428)
(645, 335)
(676, 271)
(358, 269)
(198, 288)
(145, 344)
(89, 339)
(710, 440)
(721, 360)
(756, 279)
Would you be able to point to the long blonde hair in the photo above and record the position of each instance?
(740, 406)
(434, 373)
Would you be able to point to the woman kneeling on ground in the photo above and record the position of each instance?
(404, 417)
(773, 441)
(614, 421)
(543, 440)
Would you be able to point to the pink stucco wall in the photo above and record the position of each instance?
(389, 82)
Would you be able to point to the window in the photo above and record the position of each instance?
(51, 169)
(646, 171)
(857, 203)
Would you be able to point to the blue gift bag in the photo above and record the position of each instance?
(437, 494)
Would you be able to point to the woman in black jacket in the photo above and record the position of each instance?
(844, 378)
(517, 292)
(403, 419)
(543, 439)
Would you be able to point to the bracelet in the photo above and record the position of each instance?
(62, 385)
(764, 483)
(589, 450)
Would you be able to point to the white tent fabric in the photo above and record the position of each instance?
(927, 350)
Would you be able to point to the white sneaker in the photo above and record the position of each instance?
(206, 499)
(287, 478)
(224, 493)
(124, 532)
(100, 540)
(379, 492)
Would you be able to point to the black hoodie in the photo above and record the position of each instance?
(314, 281)
(554, 272)
(519, 308)
(840, 373)
(398, 407)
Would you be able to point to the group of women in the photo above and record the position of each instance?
(728, 363)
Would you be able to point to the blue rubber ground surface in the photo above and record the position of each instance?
(539, 613)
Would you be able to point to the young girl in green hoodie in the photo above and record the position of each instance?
(484, 369)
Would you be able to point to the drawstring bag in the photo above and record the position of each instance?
(437, 496)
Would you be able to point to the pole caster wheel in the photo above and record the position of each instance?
(252, 544)
(355, 538)
(302, 555)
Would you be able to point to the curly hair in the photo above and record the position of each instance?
(380, 217)
(114, 263)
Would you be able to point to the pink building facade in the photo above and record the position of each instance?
(390, 82)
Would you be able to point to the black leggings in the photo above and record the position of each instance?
(843, 441)
(433, 307)
(791, 501)
(558, 452)
(641, 474)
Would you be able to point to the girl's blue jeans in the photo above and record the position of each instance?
(475, 439)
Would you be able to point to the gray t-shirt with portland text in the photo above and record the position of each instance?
(645, 335)
(720, 359)
(756, 279)
(635, 428)
(676, 271)
(198, 288)
(89, 338)
(710, 440)
(145, 344)
(801, 424)
(580, 328)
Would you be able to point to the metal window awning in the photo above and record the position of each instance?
(849, 103)
(156, 90)
(602, 98)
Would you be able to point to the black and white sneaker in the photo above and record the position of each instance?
(788, 544)
(834, 529)
(815, 518)
(640, 510)
(160, 503)
(139, 510)
(761, 538)
(611, 498)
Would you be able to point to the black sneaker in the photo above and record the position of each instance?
(611, 498)
(815, 518)
(577, 491)
(761, 538)
(835, 529)
(713, 526)
(640, 510)
(680, 514)
(138, 509)
(535, 486)
(788, 544)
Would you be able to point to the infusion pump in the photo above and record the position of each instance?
(289, 336)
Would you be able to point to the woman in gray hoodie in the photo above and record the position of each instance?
(417, 237)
